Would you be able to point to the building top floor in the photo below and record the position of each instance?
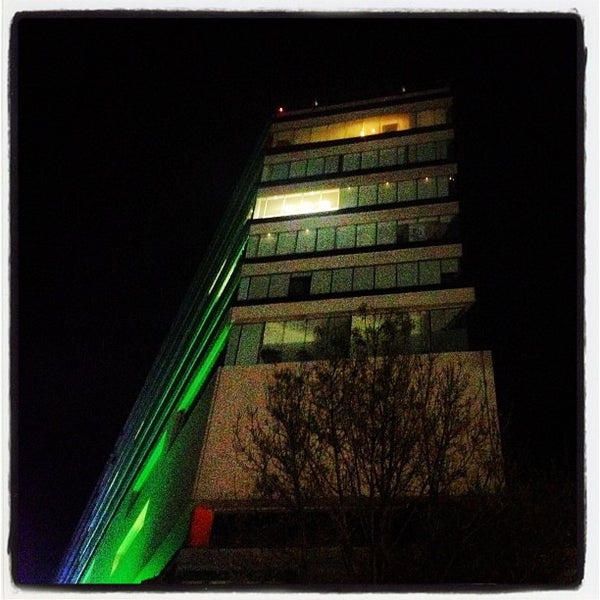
(360, 119)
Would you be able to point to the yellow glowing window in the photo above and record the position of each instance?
(297, 204)
(356, 127)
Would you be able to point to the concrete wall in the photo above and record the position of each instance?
(222, 477)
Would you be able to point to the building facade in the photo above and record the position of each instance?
(344, 209)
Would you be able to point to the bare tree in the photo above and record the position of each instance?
(361, 430)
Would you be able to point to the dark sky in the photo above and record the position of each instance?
(128, 135)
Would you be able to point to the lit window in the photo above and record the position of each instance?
(296, 204)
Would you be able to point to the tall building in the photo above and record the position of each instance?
(343, 209)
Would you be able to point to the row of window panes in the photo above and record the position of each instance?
(322, 239)
(387, 192)
(439, 330)
(348, 279)
(360, 127)
(357, 161)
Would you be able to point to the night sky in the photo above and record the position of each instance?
(128, 135)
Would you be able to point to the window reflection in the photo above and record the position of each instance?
(435, 330)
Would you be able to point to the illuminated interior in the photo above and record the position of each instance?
(297, 204)
(359, 127)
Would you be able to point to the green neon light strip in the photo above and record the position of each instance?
(131, 535)
(186, 400)
(207, 365)
(152, 460)
(199, 329)
(86, 539)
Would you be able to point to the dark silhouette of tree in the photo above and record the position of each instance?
(365, 428)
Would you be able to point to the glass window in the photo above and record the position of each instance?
(266, 244)
(348, 197)
(252, 247)
(280, 171)
(354, 128)
(345, 236)
(336, 131)
(407, 190)
(441, 319)
(429, 272)
(283, 138)
(279, 284)
(442, 186)
(369, 160)
(302, 135)
(258, 287)
(387, 192)
(402, 156)
(341, 280)
(298, 169)
(299, 286)
(426, 152)
(447, 330)
(388, 157)
(407, 274)
(449, 226)
(450, 265)
(286, 242)
(439, 116)
(325, 238)
(365, 234)
(315, 166)
(443, 149)
(306, 240)
(426, 188)
(363, 278)
(273, 207)
(425, 118)
(411, 153)
(389, 123)
(367, 195)
(318, 133)
(371, 126)
(385, 277)
(243, 288)
(431, 227)
(273, 333)
(232, 344)
(419, 331)
(321, 282)
(416, 232)
(386, 232)
(266, 173)
(329, 200)
(294, 332)
(406, 121)
(249, 342)
(351, 162)
(332, 164)
(403, 231)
